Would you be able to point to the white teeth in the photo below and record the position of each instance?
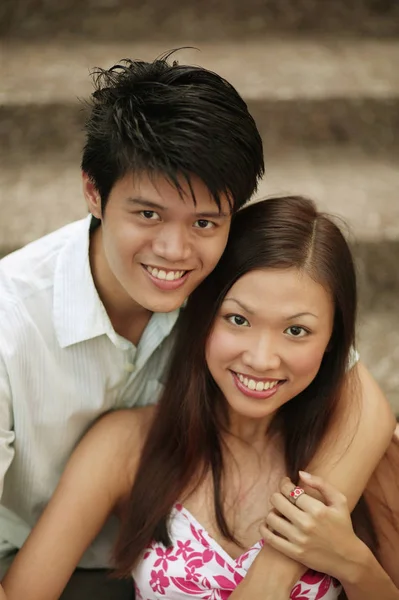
(168, 276)
(259, 386)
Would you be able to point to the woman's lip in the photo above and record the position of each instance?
(165, 284)
(271, 379)
(254, 393)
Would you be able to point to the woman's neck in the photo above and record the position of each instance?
(251, 432)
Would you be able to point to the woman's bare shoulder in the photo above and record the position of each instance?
(114, 442)
(123, 430)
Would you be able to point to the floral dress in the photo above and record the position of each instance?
(196, 566)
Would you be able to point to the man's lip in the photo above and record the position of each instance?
(166, 269)
(165, 284)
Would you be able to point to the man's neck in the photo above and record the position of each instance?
(131, 327)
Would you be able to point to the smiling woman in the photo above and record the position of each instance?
(273, 347)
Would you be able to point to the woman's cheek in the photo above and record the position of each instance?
(221, 346)
(308, 363)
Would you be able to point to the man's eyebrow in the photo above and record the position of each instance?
(150, 205)
(217, 214)
(146, 203)
(241, 304)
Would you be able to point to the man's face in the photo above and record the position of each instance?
(154, 246)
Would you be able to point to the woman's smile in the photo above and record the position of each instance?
(256, 388)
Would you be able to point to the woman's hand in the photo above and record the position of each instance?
(318, 535)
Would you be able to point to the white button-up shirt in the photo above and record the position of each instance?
(62, 365)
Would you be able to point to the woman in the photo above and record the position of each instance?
(254, 384)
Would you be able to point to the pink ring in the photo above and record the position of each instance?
(295, 494)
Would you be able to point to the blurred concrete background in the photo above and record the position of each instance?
(321, 79)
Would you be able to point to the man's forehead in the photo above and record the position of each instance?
(208, 211)
(163, 194)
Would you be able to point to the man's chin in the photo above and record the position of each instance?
(164, 305)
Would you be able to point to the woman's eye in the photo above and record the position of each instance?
(237, 320)
(204, 224)
(150, 215)
(296, 331)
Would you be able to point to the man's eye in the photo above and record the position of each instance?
(296, 331)
(150, 215)
(237, 320)
(204, 224)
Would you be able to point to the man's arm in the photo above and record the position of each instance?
(6, 425)
(350, 453)
(320, 535)
(367, 579)
(358, 438)
(382, 495)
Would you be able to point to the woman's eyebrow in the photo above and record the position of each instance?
(301, 314)
(241, 304)
(251, 311)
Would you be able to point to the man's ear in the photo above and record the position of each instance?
(92, 196)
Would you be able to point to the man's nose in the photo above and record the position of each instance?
(172, 243)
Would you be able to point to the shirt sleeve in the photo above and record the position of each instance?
(7, 434)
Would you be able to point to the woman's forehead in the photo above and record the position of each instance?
(286, 291)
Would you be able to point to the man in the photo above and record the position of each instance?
(87, 313)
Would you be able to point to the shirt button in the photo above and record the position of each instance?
(130, 367)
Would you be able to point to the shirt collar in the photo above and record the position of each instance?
(79, 315)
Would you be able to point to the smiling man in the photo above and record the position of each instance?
(87, 312)
(155, 245)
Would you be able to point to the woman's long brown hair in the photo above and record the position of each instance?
(184, 441)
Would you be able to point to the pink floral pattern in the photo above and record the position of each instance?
(197, 567)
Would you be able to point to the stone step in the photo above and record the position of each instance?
(378, 335)
(208, 19)
(359, 188)
(322, 90)
(40, 195)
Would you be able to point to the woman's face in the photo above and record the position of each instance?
(268, 339)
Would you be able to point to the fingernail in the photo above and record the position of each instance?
(305, 475)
